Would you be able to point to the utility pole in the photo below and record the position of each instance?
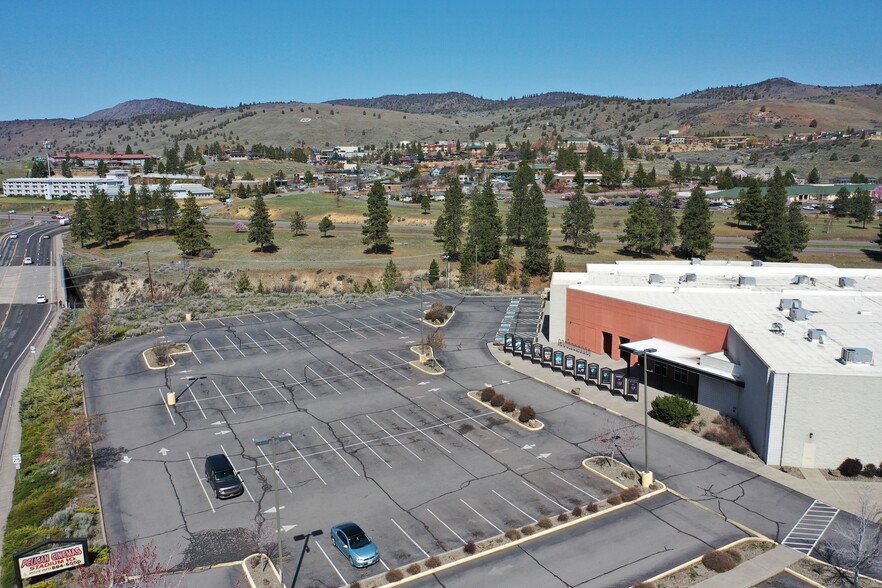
(150, 277)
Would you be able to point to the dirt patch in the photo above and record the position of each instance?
(827, 575)
(162, 355)
(260, 570)
(721, 429)
(834, 476)
(698, 572)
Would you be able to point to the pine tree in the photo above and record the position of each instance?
(326, 225)
(799, 229)
(577, 222)
(520, 187)
(641, 227)
(165, 202)
(641, 180)
(426, 202)
(103, 218)
(485, 226)
(191, 235)
(449, 226)
(773, 237)
(696, 226)
(536, 234)
(375, 230)
(127, 212)
(843, 202)
(677, 172)
(667, 222)
(260, 228)
(198, 284)
(862, 209)
(102, 168)
(434, 272)
(297, 222)
(81, 221)
(750, 206)
(560, 266)
(391, 277)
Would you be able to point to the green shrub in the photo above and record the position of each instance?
(675, 411)
(720, 561)
(527, 414)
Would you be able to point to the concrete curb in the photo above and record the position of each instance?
(247, 570)
(171, 356)
(444, 324)
(474, 396)
(696, 560)
(419, 365)
(802, 578)
(610, 480)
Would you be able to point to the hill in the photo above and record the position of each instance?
(138, 108)
(778, 89)
(454, 102)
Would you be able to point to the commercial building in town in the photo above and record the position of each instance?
(790, 350)
(110, 159)
(58, 187)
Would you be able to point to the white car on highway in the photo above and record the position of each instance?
(41, 299)
(28, 261)
(13, 235)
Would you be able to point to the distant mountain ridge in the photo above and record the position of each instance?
(451, 102)
(777, 89)
(135, 108)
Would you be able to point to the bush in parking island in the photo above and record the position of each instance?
(487, 394)
(675, 411)
(511, 405)
(527, 414)
(720, 561)
(497, 400)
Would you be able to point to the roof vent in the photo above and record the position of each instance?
(788, 303)
(688, 278)
(856, 355)
(656, 279)
(801, 280)
(799, 314)
(746, 281)
(695, 261)
(819, 335)
(847, 283)
(756, 263)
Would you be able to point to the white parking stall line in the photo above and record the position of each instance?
(387, 325)
(249, 391)
(406, 324)
(332, 331)
(214, 349)
(202, 324)
(415, 317)
(384, 301)
(333, 365)
(196, 398)
(434, 416)
(364, 324)
(238, 475)
(384, 564)
(543, 495)
(354, 471)
(588, 494)
(463, 413)
(255, 342)
(222, 323)
(389, 366)
(338, 306)
(420, 431)
(182, 326)
(276, 340)
(367, 302)
(275, 315)
(324, 380)
(389, 435)
(486, 520)
(165, 404)
(403, 361)
(339, 575)
(216, 387)
(350, 329)
(296, 338)
(423, 551)
(279, 392)
(260, 320)
(201, 485)
(307, 310)
(514, 506)
(238, 318)
(275, 467)
(236, 347)
(196, 357)
(306, 461)
(464, 542)
(369, 448)
(298, 382)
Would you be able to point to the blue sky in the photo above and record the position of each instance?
(68, 59)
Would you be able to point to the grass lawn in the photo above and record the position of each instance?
(261, 170)
(25, 205)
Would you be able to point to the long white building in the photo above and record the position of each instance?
(790, 350)
(59, 187)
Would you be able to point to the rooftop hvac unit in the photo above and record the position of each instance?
(656, 279)
(847, 283)
(788, 303)
(757, 263)
(856, 355)
(688, 278)
(695, 261)
(818, 335)
(800, 280)
(746, 281)
(799, 314)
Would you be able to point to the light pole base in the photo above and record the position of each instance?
(170, 398)
(646, 479)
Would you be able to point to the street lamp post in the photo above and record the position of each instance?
(193, 380)
(646, 478)
(422, 316)
(266, 441)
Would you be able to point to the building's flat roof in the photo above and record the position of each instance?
(851, 316)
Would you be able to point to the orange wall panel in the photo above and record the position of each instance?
(590, 314)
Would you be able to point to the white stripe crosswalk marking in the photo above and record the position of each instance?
(809, 529)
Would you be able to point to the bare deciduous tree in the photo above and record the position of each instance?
(434, 341)
(162, 352)
(133, 565)
(74, 438)
(855, 546)
(616, 437)
(95, 319)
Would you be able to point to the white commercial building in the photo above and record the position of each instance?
(789, 350)
(183, 190)
(59, 187)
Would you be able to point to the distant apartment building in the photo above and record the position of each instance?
(57, 187)
(110, 159)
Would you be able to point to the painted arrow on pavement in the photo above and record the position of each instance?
(126, 459)
(224, 432)
(543, 455)
(528, 446)
(422, 383)
(286, 528)
(218, 423)
(434, 389)
(272, 509)
(164, 451)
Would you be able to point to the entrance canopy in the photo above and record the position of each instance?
(715, 365)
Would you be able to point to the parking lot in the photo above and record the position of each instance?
(422, 468)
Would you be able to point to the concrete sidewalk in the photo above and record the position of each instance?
(754, 571)
(844, 495)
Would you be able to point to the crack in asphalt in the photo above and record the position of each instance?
(541, 565)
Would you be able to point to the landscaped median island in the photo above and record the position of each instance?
(160, 356)
(711, 563)
(260, 571)
(438, 314)
(516, 536)
(524, 416)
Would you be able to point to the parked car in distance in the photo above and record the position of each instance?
(12, 211)
(355, 544)
(53, 212)
(45, 235)
(41, 299)
(222, 477)
(28, 261)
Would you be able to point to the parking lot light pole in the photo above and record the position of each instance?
(421, 279)
(193, 380)
(646, 477)
(272, 441)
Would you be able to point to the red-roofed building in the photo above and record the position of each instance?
(111, 159)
